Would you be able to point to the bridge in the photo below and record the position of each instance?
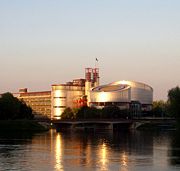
(110, 124)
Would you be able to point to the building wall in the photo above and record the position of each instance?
(140, 92)
(40, 102)
(120, 96)
(64, 96)
(122, 93)
(142, 95)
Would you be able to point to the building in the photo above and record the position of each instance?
(127, 95)
(40, 102)
(67, 95)
(73, 94)
(52, 103)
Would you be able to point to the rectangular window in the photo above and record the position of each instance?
(59, 97)
(59, 106)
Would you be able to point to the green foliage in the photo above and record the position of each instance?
(111, 112)
(174, 102)
(114, 112)
(12, 108)
(86, 112)
(67, 114)
(25, 111)
(159, 108)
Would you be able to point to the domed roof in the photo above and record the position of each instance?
(120, 85)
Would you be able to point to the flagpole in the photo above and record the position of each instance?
(96, 62)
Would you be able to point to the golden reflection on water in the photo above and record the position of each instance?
(80, 151)
(124, 159)
(88, 152)
(58, 152)
(103, 157)
(83, 154)
(124, 162)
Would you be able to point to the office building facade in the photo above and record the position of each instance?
(40, 102)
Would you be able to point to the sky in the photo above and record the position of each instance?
(45, 42)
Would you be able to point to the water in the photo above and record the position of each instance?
(73, 151)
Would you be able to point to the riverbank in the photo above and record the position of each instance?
(22, 125)
(157, 126)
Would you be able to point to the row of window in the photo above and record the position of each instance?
(59, 106)
(36, 100)
(109, 103)
(59, 97)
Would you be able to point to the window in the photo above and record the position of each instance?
(59, 106)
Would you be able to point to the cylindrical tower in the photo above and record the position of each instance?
(58, 100)
(95, 77)
(88, 74)
(88, 77)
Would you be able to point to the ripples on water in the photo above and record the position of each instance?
(72, 151)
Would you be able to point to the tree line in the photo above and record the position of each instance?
(12, 108)
(86, 112)
(171, 107)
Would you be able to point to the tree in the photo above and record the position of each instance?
(159, 108)
(12, 108)
(25, 111)
(86, 112)
(111, 112)
(174, 102)
(67, 114)
(9, 106)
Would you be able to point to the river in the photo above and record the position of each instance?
(76, 151)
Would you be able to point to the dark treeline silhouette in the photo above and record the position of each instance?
(109, 112)
(171, 107)
(160, 109)
(174, 103)
(12, 108)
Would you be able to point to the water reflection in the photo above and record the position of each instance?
(58, 152)
(102, 150)
(11, 144)
(74, 151)
(175, 151)
(103, 156)
(124, 159)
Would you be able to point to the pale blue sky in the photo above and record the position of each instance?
(43, 42)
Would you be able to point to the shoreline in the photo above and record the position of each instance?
(22, 125)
